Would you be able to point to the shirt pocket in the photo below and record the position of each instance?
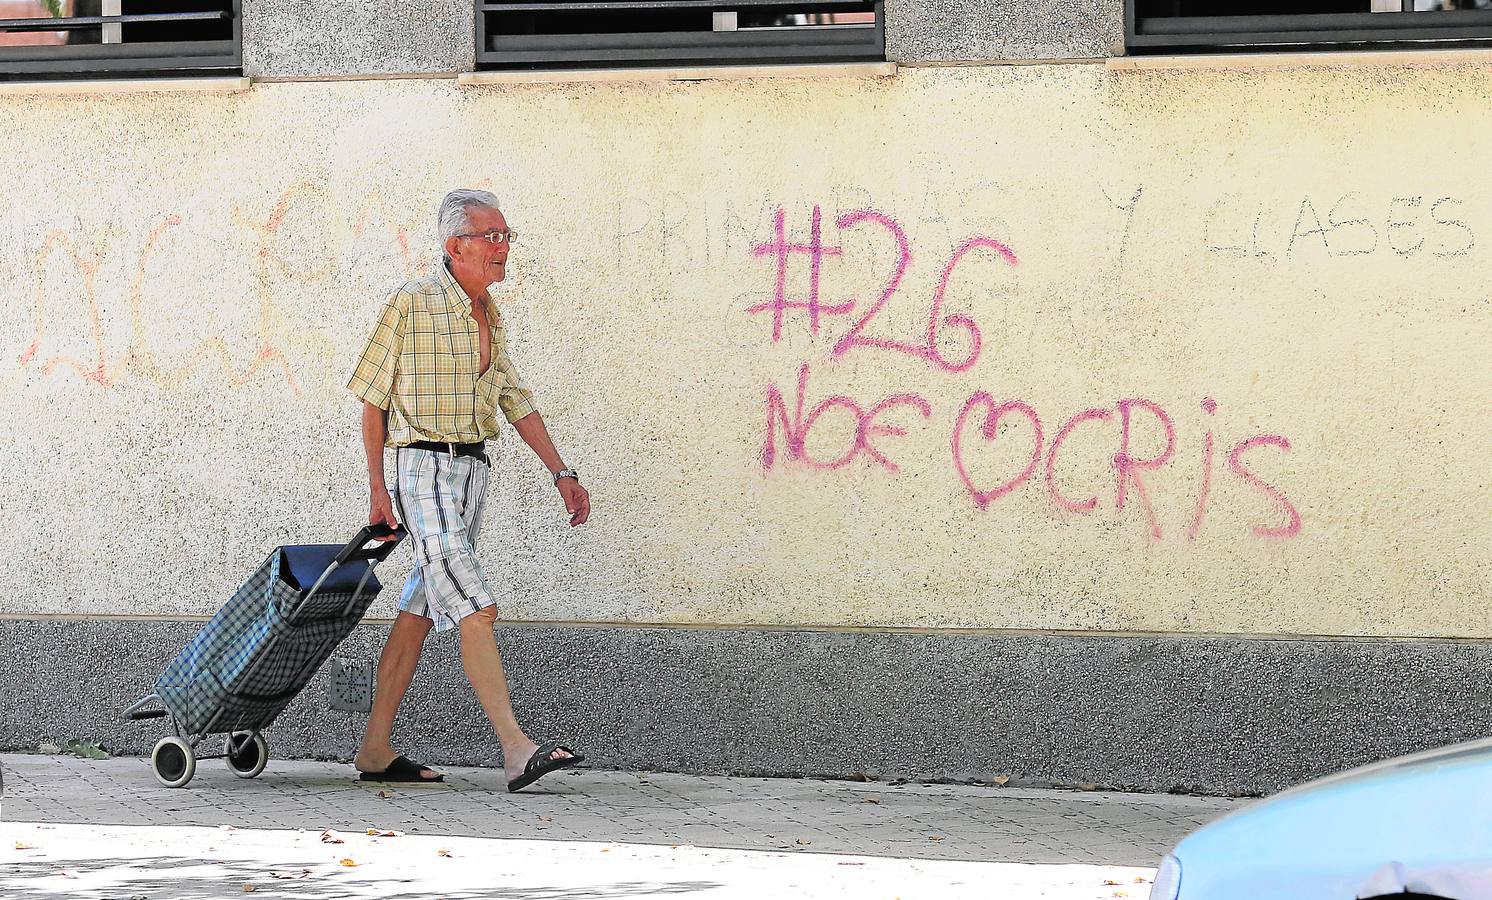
(447, 341)
(430, 333)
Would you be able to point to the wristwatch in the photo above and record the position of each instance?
(566, 473)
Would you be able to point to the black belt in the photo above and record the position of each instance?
(476, 451)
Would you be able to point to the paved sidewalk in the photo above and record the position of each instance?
(105, 828)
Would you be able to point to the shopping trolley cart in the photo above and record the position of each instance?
(252, 658)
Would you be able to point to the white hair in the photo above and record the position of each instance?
(455, 211)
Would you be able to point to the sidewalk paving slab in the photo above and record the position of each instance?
(105, 828)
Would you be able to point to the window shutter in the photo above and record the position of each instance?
(1178, 26)
(517, 34)
(123, 38)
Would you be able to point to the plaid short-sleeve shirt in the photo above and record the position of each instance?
(422, 361)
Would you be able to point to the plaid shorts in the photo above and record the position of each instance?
(439, 499)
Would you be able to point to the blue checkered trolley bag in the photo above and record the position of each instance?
(251, 659)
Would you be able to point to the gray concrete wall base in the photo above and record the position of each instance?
(288, 38)
(1211, 715)
(967, 30)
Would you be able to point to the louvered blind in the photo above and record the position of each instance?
(517, 34)
(119, 38)
(1172, 26)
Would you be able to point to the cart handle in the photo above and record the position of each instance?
(137, 710)
(370, 544)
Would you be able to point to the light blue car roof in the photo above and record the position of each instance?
(1325, 838)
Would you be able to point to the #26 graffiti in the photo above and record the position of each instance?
(875, 425)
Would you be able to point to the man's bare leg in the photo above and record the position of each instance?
(396, 665)
(484, 669)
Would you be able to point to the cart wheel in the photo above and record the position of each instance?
(251, 756)
(173, 762)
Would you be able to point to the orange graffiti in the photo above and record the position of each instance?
(136, 357)
(412, 263)
(97, 371)
(272, 253)
(266, 231)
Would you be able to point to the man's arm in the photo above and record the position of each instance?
(577, 500)
(373, 381)
(375, 431)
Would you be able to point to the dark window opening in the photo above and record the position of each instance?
(60, 39)
(219, 29)
(1179, 26)
(514, 34)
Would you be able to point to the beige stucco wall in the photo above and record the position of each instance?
(187, 280)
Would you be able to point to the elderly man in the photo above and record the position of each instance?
(432, 379)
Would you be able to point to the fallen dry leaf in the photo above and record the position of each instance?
(1139, 879)
(443, 852)
(329, 837)
(1120, 894)
(249, 889)
(875, 800)
(605, 849)
(1000, 779)
(385, 795)
(21, 846)
(377, 833)
(935, 837)
(804, 841)
(1109, 881)
(349, 863)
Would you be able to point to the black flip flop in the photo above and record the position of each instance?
(402, 771)
(540, 765)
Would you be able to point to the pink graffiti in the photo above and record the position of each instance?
(1079, 506)
(1129, 472)
(938, 325)
(783, 250)
(1209, 406)
(852, 338)
(959, 321)
(992, 415)
(867, 432)
(1235, 462)
(1128, 469)
(797, 428)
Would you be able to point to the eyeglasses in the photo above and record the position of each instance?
(495, 236)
